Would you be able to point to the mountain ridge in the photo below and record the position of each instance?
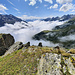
(10, 19)
(63, 18)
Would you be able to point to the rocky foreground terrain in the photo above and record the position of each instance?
(23, 59)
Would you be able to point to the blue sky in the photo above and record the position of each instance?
(37, 8)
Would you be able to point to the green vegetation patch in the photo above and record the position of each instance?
(25, 61)
(72, 51)
(22, 62)
(66, 54)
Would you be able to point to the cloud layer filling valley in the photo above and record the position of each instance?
(24, 32)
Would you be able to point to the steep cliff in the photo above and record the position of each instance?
(6, 40)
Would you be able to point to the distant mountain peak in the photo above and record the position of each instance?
(10, 19)
(63, 18)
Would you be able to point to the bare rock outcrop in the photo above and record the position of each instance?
(14, 47)
(6, 40)
(56, 64)
(50, 64)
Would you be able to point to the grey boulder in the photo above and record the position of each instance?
(14, 47)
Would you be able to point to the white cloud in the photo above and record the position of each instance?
(42, 25)
(25, 17)
(50, 7)
(40, 1)
(16, 9)
(24, 33)
(50, 1)
(55, 6)
(32, 2)
(73, 10)
(68, 38)
(10, 2)
(36, 7)
(63, 1)
(25, 0)
(45, 5)
(19, 12)
(44, 43)
(66, 7)
(1, 13)
(3, 8)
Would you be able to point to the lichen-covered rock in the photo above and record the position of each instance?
(50, 64)
(56, 64)
(70, 67)
(14, 47)
(6, 40)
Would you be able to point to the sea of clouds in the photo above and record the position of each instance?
(25, 31)
(70, 37)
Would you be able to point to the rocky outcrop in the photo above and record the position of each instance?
(40, 44)
(37, 60)
(70, 68)
(27, 45)
(56, 64)
(50, 65)
(14, 47)
(6, 40)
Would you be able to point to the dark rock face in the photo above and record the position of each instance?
(14, 47)
(6, 40)
(27, 44)
(40, 44)
(57, 47)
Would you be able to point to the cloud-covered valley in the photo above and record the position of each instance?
(25, 31)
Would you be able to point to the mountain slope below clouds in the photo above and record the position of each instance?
(63, 34)
(66, 24)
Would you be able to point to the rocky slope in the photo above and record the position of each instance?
(23, 59)
(60, 34)
(6, 40)
(66, 24)
(54, 64)
(36, 60)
